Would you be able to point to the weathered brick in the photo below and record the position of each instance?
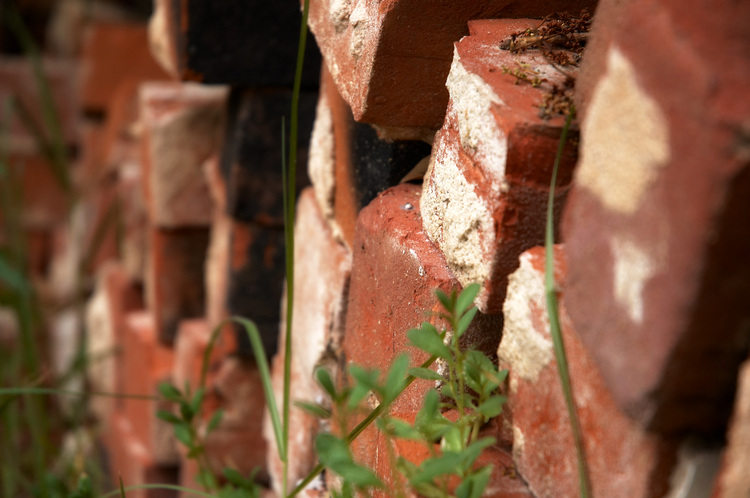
(655, 228)
(146, 363)
(130, 461)
(115, 295)
(543, 447)
(193, 337)
(240, 44)
(238, 440)
(485, 192)
(322, 269)
(182, 129)
(175, 287)
(733, 481)
(349, 164)
(395, 271)
(45, 202)
(391, 68)
(103, 73)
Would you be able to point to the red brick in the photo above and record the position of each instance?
(103, 73)
(733, 480)
(192, 339)
(130, 461)
(182, 128)
(175, 282)
(145, 364)
(115, 295)
(17, 79)
(543, 447)
(45, 203)
(350, 164)
(391, 68)
(238, 440)
(395, 270)
(322, 269)
(655, 228)
(485, 193)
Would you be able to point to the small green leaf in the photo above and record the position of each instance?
(473, 485)
(472, 452)
(430, 341)
(425, 373)
(465, 321)
(466, 297)
(186, 410)
(492, 407)
(453, 439)
(183, 434)
(215, 421)
(358, 475)
(446, 301)
(398, 428)
(367, 378)
(313, 409)
(396, 378)
(325, 381)
(445, 464)
(168, 417)
(331, 450)
(170, 392)
(122, 487)
(197, 401)
(236, 478)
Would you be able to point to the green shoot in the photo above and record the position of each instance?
(554, 321)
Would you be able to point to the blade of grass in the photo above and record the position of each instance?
(290, 173)
(554, 320)
(265, 376)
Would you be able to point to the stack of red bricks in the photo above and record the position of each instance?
(429, 167)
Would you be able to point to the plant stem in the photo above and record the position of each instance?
(290, 207)
(554, 321)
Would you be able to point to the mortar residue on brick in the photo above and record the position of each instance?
(625, 139)
(471, 99)
(522, 347)
(456, 218)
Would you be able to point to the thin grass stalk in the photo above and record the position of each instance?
(554, 321)
(291, 189)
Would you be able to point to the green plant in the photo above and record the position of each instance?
(468, 388)
(554, 319)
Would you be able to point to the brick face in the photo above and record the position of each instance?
(651, 232)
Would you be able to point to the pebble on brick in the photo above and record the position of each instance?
(623, 459)
(486, 189)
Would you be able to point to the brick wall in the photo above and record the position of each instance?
(426, 154)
